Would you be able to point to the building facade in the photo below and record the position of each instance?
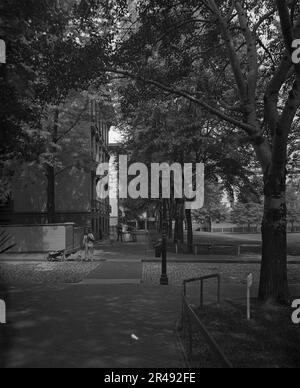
(76, 199)
(100, 208)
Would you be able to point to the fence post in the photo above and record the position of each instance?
(202, 296)
(190, 338)
(219, 290)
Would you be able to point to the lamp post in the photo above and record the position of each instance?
(164, 281)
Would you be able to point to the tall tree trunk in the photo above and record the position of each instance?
(170, 228)
(177, 221)
(208, 224)
(293, 226)
(160, 221)
(169, 219)
(190, 239)
(51, 211)
(180, 223)
(50, 174)
(176, 239)
(274, 279)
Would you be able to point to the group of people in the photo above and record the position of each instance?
(130, 230)
(89, 240)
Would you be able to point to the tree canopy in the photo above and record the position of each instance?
(212, 80)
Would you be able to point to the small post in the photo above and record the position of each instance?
(190, 334)
(202, 296)
(219, 290)
(249, 285)
(164, 281)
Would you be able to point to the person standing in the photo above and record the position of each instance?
(88, 243)
(120, 233)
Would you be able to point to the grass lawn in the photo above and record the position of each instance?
(249, 239)
(230, 273)
(269, 340)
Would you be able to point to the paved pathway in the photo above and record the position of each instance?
(107, 321)
(122, 272)
(130, 252)
(92, 326)
(120, 264)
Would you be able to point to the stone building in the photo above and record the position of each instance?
(80, 152)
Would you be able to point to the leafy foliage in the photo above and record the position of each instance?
(249, 213)
(293, 204)
(53, 50)
(214, 208)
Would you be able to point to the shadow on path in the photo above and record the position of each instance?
(92, 326)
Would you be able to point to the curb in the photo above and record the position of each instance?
(212, 261)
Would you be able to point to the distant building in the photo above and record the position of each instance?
(76, 199)
(146, 220)
(114, 186)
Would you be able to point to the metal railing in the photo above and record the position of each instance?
(202, 280)
(192, 330)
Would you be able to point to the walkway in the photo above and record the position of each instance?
(120, 264)
(93, 326)
(110, 320)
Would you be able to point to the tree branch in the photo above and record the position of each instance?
(234, 59)
(63, 170)
(291, 107)
(282, 131)
(260, 42)
(251, 54)
(263, 19)
(179, 25)
(286, 24)
(272, 93)
(229, 15)
(74, 124)
(250, 130)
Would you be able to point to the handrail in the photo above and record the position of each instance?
(189, 313)
(213, 344)
(201, 280)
